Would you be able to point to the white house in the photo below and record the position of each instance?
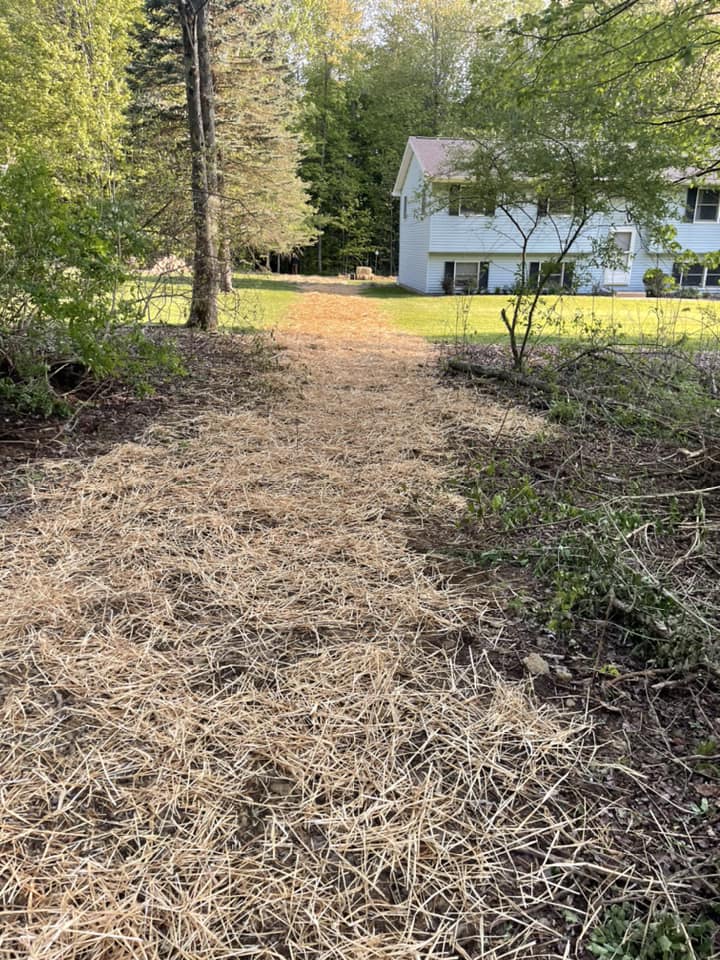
(449, 242)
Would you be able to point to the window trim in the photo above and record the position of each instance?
(698, 193)
(563, 265)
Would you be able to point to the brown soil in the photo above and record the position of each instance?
(251, 711)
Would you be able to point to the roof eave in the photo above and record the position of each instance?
(403, 171)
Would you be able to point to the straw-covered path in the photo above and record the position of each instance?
(233, 724)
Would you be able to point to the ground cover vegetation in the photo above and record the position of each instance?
(597, 538)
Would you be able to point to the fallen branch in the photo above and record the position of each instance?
(497, 373)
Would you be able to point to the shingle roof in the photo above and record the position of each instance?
(438, 156)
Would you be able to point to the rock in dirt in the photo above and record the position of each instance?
(536, 666)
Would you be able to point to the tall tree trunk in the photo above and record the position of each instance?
(203, 147)
(225, 265)
(323, 147)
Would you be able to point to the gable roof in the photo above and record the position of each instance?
(437, 157)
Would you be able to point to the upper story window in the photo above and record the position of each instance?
(702, 205)
(557, 206)
(707, 205)
(405, 208)
(469, 201)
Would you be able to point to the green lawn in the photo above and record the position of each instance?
(444, 318)
(255, 301)
(264, 301)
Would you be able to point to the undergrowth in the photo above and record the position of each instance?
(64, 317)
(624, 934)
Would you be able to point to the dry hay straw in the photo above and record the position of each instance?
(225, 733)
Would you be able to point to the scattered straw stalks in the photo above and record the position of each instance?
(232, 721)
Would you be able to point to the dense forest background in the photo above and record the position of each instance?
(157, 134)
(315, 104)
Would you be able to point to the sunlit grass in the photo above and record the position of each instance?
(256, 302)
(264, 302)
(478, 318)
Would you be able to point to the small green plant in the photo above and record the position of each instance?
(657, 283)
(565, 411)
(626, 935)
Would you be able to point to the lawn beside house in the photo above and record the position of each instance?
(264, 301)
(255, 302)
(478, 318)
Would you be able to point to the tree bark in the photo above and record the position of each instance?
(203, 148)
(225, 264)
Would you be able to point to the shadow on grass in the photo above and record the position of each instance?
(386, 291)
(241, 281)
(249, 282)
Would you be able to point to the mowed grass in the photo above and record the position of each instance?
(478, 318)
(255, 303)
(263, 302)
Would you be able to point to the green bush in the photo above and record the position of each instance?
(62, 275)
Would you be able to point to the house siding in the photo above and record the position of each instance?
(428, 241)
(414, 232)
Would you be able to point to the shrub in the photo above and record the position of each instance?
(62, 275)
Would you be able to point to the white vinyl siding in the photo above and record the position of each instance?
(414, 232)
(431, 236)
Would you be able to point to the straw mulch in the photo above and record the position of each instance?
(232, 722)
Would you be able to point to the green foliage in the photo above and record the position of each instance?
(63, 91)
(600, 561)
(593, 147)
(657, 282)
(623, 935)
(564, 411)
(62, 270)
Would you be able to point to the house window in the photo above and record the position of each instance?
(558, 206)
(708, 202)
(623, 241)
(470, 201)
(475, 202)
(466, 276)
(696, 276)
(693, 276)
(405, 208)
(554, 276)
